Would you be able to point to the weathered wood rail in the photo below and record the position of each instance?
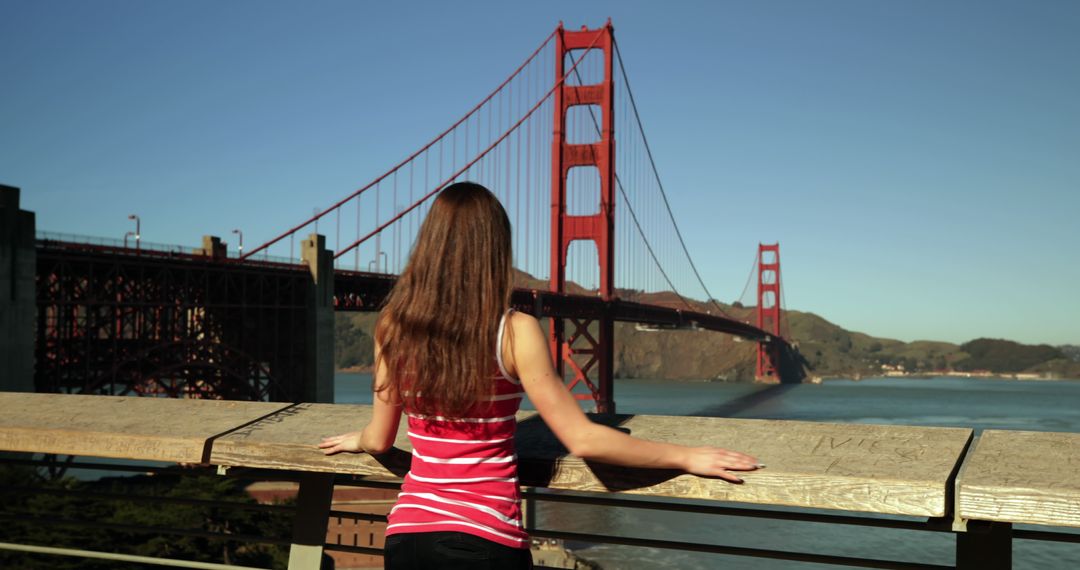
(1009, 477)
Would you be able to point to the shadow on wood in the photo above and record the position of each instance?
(542, 456)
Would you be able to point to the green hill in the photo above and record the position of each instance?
(1005, 355)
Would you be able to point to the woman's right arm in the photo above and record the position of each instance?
(379, 434)
(527, 357)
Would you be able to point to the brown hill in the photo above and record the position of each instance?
(828, 349)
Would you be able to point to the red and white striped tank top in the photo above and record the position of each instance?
(463, 476)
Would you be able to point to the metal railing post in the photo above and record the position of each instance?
(309, 524)
(528, 512)
(985, 546)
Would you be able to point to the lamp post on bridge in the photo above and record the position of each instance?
(138, 231)
(376, 262)
(126, 236)
(240, 248)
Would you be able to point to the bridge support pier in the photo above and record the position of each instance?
(319, 358)
(18, 270)
(589, 351)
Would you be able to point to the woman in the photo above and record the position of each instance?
(451, 354)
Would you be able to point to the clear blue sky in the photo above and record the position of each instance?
(919, 161)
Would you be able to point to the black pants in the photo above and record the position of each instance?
(451, 551)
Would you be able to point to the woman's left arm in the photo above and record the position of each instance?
(379, 435)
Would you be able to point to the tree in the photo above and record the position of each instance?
(40, 499)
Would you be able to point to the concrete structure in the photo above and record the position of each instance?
(18, 268)
(213, 247)
(319, 365)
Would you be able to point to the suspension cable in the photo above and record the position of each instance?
(465, 168)
(409, 159)
(656, 173)
(748, 278)
(633, 215)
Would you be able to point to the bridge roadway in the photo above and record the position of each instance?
(359, 291)
(1008, 477)
(363, 291)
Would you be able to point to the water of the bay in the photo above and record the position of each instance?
(955, 402)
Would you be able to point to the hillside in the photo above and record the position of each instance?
(829, 350)
(1071, 351)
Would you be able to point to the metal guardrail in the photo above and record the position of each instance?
(131, 244)
(531, 496)
(144, 247)
(94, 554)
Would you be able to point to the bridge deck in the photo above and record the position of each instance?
(881, 469)
(1022, 477)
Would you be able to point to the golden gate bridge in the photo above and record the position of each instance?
(560, 141)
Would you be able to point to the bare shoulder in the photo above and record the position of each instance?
(523, 322)
(528, 333)
(524, 338)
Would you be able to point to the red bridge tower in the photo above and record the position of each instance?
(768, 312)
(592, 338)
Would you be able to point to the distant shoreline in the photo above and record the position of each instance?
(361, 369)
(1020, 377)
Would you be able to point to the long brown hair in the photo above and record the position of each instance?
(437, 331)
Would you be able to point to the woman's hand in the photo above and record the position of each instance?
(716, 462)
(349, 442)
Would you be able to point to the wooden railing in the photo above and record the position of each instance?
(931, 476)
